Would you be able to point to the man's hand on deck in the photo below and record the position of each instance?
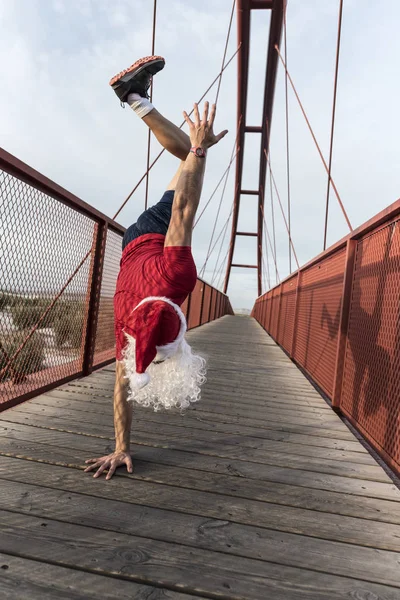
(110, 462)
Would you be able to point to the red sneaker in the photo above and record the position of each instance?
(137, 77)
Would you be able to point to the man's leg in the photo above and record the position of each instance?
(173, 139)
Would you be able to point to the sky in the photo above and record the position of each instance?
(58, 114)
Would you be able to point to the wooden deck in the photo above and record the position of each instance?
(260, 492)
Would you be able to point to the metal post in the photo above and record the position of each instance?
(94, 302)
(296, 313)
(210, 306)
(279, 314)
(202, 301)
(188, 309)
(344, 321)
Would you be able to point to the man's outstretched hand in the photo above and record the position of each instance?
(110, 462)
(201, 131)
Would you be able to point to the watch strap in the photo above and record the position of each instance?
(198, 151)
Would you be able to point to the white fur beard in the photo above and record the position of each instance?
(174, 383)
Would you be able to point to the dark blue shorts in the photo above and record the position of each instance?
(153, 220)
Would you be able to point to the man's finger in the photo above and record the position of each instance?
(111, 470)
(187, 118)
(205, 113)
(94, 466)
(129, 465)
(102, 468)
(92, 460)
(212, 115)
(196, 115)
(221, 135)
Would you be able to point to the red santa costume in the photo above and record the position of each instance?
(150, 326)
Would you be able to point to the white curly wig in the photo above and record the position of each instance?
(173, 379)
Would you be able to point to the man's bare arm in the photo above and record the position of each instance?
(190, 182)
(122, 425)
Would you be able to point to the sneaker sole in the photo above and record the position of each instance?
(138, 66)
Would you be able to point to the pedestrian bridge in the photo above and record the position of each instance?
(282, 483)
(260, 491)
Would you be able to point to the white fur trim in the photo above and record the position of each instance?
(139, 381)
(168, 349)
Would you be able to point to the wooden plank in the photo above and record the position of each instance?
(219, 504)
(221, 447)
(166, 429)
(238, 416)
(140, 559)
(259, 397)
(343, 434)
(244, 479)
(188, 530)
(102, 396)
(263, 395)
(175, 419)
(24, 579)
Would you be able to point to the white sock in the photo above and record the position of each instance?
(140, 105)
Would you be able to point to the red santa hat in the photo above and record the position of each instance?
(156, 329)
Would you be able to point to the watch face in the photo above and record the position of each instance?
(199, 152)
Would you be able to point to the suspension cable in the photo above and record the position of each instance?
(272, 178)
(153, 49)
(221, 270)
(215, 190)
(180, 127)
(264, 276)
(270, 245)
(218, 238)
(287, 137)
(333, 119)
(267, 257)
(223, 194)
(214, 276)
(273, 222)
(217, 263)
(226, 48)
(316, 143)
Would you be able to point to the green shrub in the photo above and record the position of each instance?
(29, 360)
(66, 318)
(68, 321)
(26, 312)
(4, 300)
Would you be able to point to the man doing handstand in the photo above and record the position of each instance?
(155, 366)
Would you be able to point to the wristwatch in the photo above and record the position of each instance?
(198, 151)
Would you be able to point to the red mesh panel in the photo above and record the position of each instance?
(37, 259)
(263, 312)
(273, 327)
(371, 381)
(105, 339)
(206, 305)
(287, 313)
(184, 306)
(319, 305)
(268, 311)
(219, 305)
(195, 305)
(213, 304)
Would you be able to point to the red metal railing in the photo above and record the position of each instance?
(51, 332)
(338, 317)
